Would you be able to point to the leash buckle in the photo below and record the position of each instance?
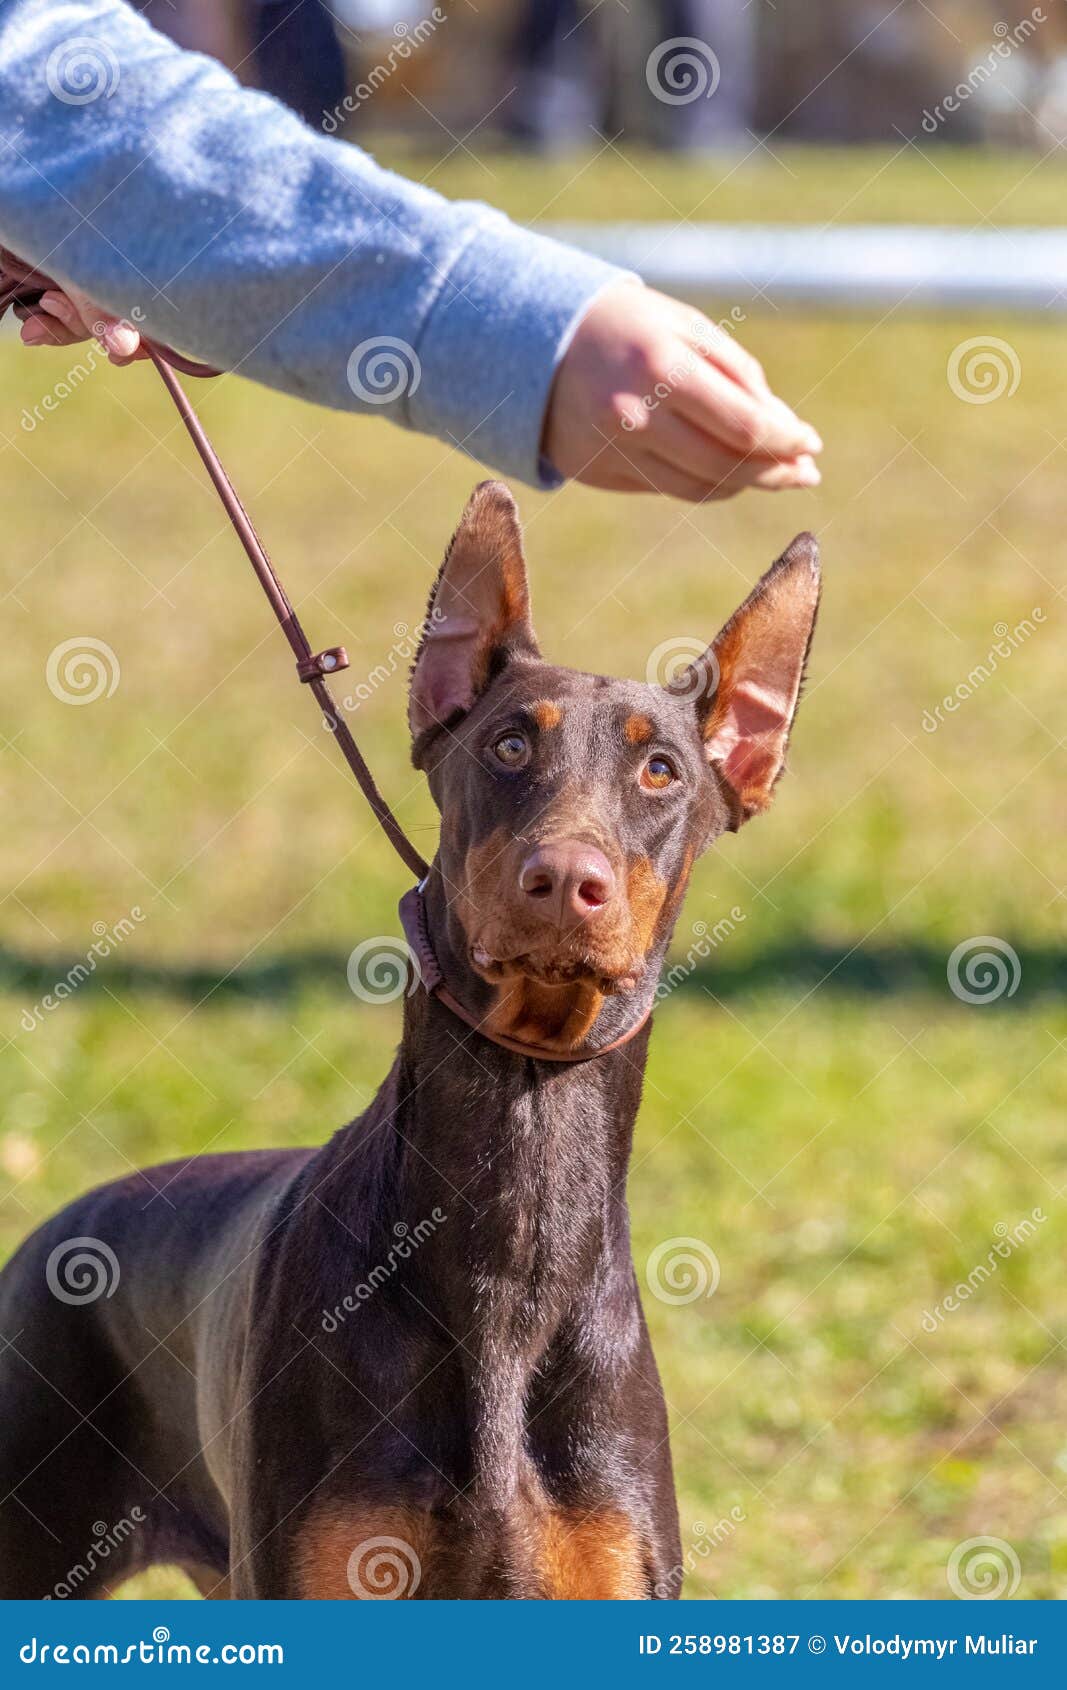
(323, 663)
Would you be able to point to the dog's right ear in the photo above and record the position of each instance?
(747, 684)
(478, 617)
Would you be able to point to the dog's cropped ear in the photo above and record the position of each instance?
(747, 684)
(478, 616)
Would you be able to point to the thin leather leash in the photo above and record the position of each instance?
(312, 667)
(25, 288)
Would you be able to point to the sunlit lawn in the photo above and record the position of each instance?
(847, 1136)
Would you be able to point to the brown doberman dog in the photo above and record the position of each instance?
(414, 1362)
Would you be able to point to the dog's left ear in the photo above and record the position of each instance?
(478, 617)
(747, 684)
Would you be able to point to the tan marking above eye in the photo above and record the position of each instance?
(546, 714)
(638, 730)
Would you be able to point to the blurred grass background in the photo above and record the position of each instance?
(820, 1110)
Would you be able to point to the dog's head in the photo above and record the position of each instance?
(573, 806)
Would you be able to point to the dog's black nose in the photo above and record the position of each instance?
(570, 881)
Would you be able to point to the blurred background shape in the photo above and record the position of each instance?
(557, 72)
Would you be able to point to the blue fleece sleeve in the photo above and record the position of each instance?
(148, 177)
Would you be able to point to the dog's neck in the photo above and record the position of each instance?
(522, 1167)
(511, 1146)
(508, 1177)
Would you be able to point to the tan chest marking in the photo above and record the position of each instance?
(345, 1553)
(591, 1558)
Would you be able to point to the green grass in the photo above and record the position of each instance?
(773, 183)
(820, 1111)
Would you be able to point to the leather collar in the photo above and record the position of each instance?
(427, 969)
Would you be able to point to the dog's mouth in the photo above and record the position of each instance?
(584, 970)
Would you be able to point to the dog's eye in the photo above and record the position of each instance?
(512, 750)
(658, 773)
